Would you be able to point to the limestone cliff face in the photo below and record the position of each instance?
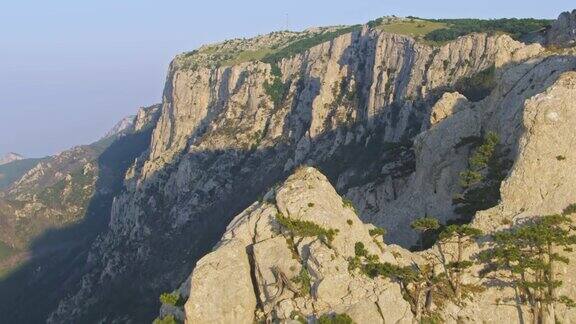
(385, 117)
(270, 261)
(351, 106)
(440, 157)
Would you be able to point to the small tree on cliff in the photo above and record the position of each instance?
(454, 263)
(460, 236)
(426, 226)
(530, 254)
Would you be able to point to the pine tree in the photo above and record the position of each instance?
(462, 236)
(426, 226)
(459, 236)
(530, 254)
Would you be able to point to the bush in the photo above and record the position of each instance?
(277, 89)
(571, 209)
(335, 319)
(305, 228)
(172, 299)
(377, 231)
(304, 280)
(481, 181)
(347, 203)
(479, 85)
(360, 250)
(168, 319)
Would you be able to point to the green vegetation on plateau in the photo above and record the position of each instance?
(411, 27)
(271, 48)
(516, 28)
(306, 43)
(442, 30)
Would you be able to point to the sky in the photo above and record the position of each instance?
(69, 69)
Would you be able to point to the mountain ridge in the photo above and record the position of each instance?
(10, 157)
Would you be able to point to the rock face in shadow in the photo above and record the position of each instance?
(53, 214)
(563, 30)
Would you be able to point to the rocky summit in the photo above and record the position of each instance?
(402, 171)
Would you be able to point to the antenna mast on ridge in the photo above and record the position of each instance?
(287, 23)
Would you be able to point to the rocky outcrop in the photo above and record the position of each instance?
(563, 30)
(447, 105)
(271, 261)
(258, 260)
(228, 269)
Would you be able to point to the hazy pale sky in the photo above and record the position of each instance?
(69, 69)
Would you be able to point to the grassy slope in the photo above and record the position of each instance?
(413, 27)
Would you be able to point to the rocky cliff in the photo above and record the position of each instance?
(267, 268)
(392, 122)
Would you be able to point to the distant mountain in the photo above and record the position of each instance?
(122, 126)
(10, 172)
(10, 157)
(13, 166)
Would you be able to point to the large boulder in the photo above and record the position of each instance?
(221, 290)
